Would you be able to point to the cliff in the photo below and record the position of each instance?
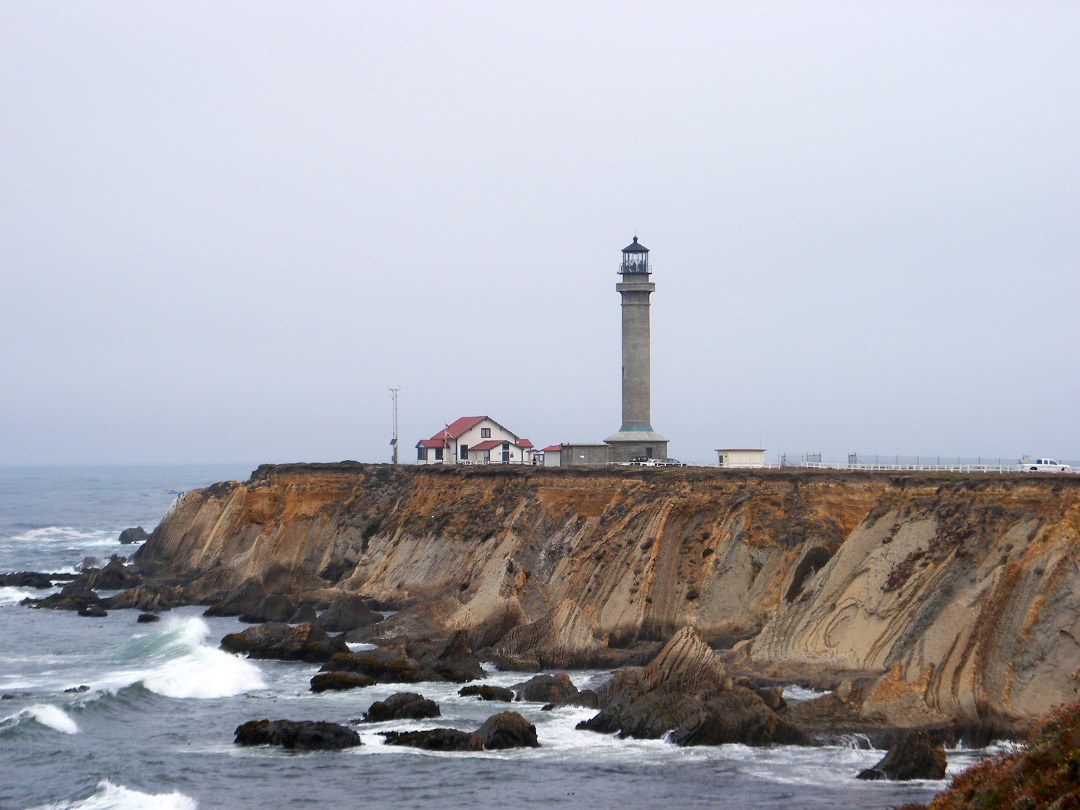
(956, 596)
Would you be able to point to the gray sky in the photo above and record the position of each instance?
(226, 229)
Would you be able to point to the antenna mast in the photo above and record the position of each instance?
(393, 441)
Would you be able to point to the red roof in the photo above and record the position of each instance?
(490, 444)
(555, 448)
(524, 443)
(457, 427)
(430, 443)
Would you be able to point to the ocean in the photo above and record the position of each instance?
(154, 728)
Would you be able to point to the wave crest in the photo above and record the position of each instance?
(117, 797)
(44, 714)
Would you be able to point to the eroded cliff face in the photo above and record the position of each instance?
(958, 594)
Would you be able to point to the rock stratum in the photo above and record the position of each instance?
(928, 599)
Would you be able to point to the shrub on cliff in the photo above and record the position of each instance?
(1045, 773)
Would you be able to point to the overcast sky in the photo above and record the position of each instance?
(227, 228)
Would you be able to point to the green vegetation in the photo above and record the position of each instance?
(1045, 773)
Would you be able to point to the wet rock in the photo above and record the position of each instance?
(94, 611)
(438, 739)
(305, 642)
(339, 681)
(347, 611)
(275, 607)
(147, 618)
(135, 535)
(77, 690)
(914, 757)
(73, 596)
(546, 689)
(451, 661)
(305, 614)
(383, 664)
(147, 598)
(507, 730)
(304, 735)
(485, 692)
(686, 691)
(26, 579)
(773, 697)
(115, 576)
(245, 598)
(402, 706)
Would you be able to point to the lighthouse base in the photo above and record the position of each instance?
(637, 442)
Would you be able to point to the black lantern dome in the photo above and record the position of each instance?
(635, 258)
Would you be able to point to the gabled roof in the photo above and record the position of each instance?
(524, 443)
(430, 443)
(553, 448)
(457, 427)
(490, 444)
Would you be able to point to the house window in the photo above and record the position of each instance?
(464, 452)
(648, 452)
(506, 452)
(485, 433)
(421, 454)
(438, 454)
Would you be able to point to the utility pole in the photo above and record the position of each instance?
(393, 441)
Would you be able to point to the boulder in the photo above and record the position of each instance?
(507, 730)
(147, 598)
(73, 596)
(147, 618)
(402, 706)
(485, 692)
(93, 610)
(347, 611)
(546, 689)
(305, 735)
(274, 607)
(438, 739)
(305, 614)
(339, 681)
(305, 642)
(26, 579)
(115, 576)
(383, 664)
(449, 661)
(685, 690)
(135, 535)
(244, 598)
(914, 757)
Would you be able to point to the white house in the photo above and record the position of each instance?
(474, 440)
(741, 457)
(552, 455)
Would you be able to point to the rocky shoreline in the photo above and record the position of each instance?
(938, 603)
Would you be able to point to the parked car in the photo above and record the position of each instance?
(1044, 465)
(669, 462)
(640, 461)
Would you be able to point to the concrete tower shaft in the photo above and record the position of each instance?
(636, 353)
(636, 436)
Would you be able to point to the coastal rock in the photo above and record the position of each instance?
(73, 596)
(556, 688)
(148, 618)
(507, 730)
(274, 607)
(485, 692)
(339, 681)
(437, 739)
(305, 614)
(94, 611)
(915, 757)
(115, 576)
(244, 598)
(348, 611)
(274, 640)
(26, 579)
(135, 535)
(402, 706)
(304, 735)
(686, 692)
(147, 598)
(449, 661)
(382, 664)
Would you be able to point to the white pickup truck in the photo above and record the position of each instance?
(1043, 465)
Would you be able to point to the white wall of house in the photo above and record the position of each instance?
(552, 458)
(482, 432)
(741, 457)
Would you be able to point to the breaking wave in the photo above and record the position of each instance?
(117, 797)
(43, 714)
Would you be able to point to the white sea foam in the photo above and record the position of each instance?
(68, 534)
(51, 716)
(117, 797)
(10, 595)
(183, 666)
(793, 693)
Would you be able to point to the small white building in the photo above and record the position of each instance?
(474, 440)
(741, 457)
(552, 455)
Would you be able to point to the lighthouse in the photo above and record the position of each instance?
(636, 437)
